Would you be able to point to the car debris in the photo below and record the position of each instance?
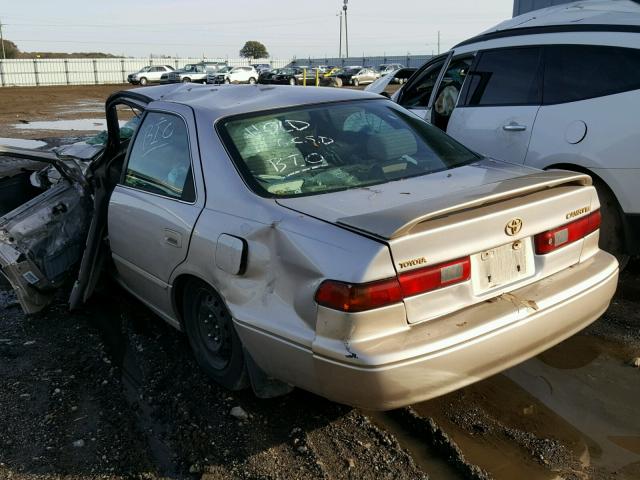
(322, 238)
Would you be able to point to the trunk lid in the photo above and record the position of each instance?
(460, 213)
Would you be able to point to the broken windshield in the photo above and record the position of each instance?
(319, 149)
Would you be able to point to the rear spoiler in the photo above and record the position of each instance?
(399, 221)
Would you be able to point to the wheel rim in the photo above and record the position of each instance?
(143, 81)
(355, 83)
(252, 81)
(214, 328)
(292, 82)
(185, 80)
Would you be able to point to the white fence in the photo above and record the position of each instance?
(89, 71)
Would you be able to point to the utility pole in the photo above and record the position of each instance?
(339, 15)
(346, 28)
(438, 42)
(4, 55)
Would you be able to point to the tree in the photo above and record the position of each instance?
(10, 49)
(254, 49)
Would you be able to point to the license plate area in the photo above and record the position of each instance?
(502, 265)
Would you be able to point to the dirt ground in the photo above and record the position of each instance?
(113, 392)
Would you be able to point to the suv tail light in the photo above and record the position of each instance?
(350, 297)
(551, 240)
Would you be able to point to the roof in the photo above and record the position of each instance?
(222, 100)
(586, 15)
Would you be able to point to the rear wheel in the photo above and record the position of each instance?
(611, 228)
(292, 81)
(252, 81)
(186, 80)
(337, 82)
(143, 81)
(213, 339)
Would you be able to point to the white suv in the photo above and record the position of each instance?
(554, 88)
(149, 74)
(236, 75)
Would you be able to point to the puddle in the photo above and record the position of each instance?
(85, 124)
(21, 143)
(429, 461)
(570, 411)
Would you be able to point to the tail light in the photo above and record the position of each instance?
(349, 297)
(551, 240)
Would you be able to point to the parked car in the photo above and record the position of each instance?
(322, 238)
(193, 72)
(385, 68)
(266, 77)
(261, 67)
(554, 88)
(237, 75)
(211, 75)
(148, 74)
(400, 76)
(288, 76)
(356, 75)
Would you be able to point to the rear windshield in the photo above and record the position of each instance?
(336, 146)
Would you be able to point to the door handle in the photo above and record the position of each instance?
(172, 238)
(514, 127)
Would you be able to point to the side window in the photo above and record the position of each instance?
(449, 89)
(160, 160)
(507, 76)
(578, 72)
(419, 91)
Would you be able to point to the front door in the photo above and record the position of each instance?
(417, 92)
(499, 103)
(155, 206)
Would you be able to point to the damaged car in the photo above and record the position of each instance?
(321, 238)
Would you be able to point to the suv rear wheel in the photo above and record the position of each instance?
(186, 80)
(252, 81)
(611, 229)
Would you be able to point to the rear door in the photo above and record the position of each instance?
(154, 207)
(499, 103)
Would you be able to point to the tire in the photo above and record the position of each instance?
(227, 81)
(292, 81)
(355, 82)
(213, 339)
(337, 82)
(143, 81)
(252, 81)
(186, 80)
(612, 233)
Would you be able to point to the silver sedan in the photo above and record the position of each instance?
(320, 238)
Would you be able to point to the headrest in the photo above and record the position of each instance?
(392, 144)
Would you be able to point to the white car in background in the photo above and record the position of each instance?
(236, 75)
(554, 88)
(148, 74)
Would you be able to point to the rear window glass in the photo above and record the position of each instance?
(319, 149)
(577, 72)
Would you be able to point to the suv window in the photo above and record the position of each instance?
(160, 161)
(418, 93)
(577, 72)
(506, 76)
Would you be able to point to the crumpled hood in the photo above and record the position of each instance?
(389, 210)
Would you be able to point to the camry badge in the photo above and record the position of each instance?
(513, 227)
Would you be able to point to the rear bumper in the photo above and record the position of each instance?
(438, 356)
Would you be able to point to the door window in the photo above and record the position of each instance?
(448, 91)
(578, 72)
(160, 160)
(418, 92)
(507, 76)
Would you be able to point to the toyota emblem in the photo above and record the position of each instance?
(513, 227)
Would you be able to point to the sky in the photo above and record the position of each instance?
(215, 28)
